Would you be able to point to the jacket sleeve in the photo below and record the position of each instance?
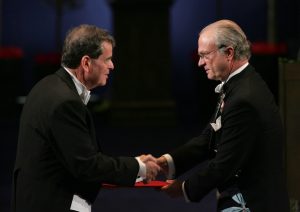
(74, 143)
(192, 153)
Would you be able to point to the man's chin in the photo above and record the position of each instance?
(102, 83)
(210, 77)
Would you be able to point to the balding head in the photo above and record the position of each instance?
(228, 33)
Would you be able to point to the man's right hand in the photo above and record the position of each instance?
(152, 169)
(164, 167)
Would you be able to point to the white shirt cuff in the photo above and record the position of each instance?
(142, 170)
(184, 192)
(171, 166)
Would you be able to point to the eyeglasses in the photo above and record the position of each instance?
(205, 55)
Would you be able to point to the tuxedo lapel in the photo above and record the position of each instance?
(215, 124)
(218, 109)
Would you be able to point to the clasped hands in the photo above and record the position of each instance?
(155, 166)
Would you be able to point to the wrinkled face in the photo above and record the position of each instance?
(213, 61)
(101, 67)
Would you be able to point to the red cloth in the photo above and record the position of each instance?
(152, 184)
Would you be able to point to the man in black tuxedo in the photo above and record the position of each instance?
(59, 165)
(243, 143)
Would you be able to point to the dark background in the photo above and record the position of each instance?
(31, 34)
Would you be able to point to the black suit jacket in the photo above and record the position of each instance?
(58, 155)
(247, 152)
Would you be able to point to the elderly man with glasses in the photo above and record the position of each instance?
(243, 143)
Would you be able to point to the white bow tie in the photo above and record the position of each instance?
(219, 87)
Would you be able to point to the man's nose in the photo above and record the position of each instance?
(200, 62)
(111, 66)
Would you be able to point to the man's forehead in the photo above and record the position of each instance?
(205, 44)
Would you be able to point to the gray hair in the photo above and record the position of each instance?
(228, 33)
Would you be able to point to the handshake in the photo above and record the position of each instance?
(154, 166)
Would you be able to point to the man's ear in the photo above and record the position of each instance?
(86, 63)
(229, 51)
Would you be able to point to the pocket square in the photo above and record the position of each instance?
(216, 126)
